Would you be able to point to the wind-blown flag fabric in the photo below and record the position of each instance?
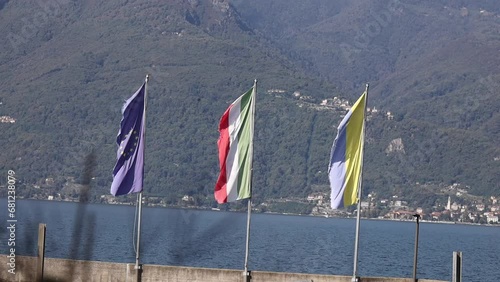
(346, 160)
(129, 169)
(236, 150)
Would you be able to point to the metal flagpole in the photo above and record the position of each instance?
(139, 215)
(355, 277)
(139, 198)
(415, 257)
(246, 273)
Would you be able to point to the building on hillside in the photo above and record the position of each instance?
(491, 218)
(187, 198)
(448, 205)
(384, 202)
(494, 200)
(401, 214)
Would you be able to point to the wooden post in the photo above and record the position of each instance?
(457, 267)
(41, 251)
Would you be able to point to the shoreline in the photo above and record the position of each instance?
(271, 213)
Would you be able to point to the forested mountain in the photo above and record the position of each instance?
(67, 66)
(433, 64)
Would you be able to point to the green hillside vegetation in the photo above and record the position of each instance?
(66, 94)
(434, 65)
(68, 68)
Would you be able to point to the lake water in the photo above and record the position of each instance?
(278, 242)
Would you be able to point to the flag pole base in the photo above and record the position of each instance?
(355, 279)
(247, 276)
(138, 273)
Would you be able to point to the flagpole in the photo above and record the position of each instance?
(139, 216)
(246, 273)
(139, 197)
(355, 277)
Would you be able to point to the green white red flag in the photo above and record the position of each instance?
(236, 150)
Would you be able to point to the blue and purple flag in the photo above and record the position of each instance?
(129, 169)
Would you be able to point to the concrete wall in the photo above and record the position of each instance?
(94, 271)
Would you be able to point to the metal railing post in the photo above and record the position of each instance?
(457, 267)
(41, 251)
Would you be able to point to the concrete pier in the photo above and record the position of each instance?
(96, 271)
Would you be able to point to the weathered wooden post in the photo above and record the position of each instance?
(457, 267)
(41, 251)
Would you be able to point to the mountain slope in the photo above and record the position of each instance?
(433, 64)
(70, 65)
(66, 91)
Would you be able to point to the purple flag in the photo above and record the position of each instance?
(129, 168)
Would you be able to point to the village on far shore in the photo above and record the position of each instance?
(458, 205)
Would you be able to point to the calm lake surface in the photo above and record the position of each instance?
(277, 243)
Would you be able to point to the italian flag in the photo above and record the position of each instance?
(236, 150)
